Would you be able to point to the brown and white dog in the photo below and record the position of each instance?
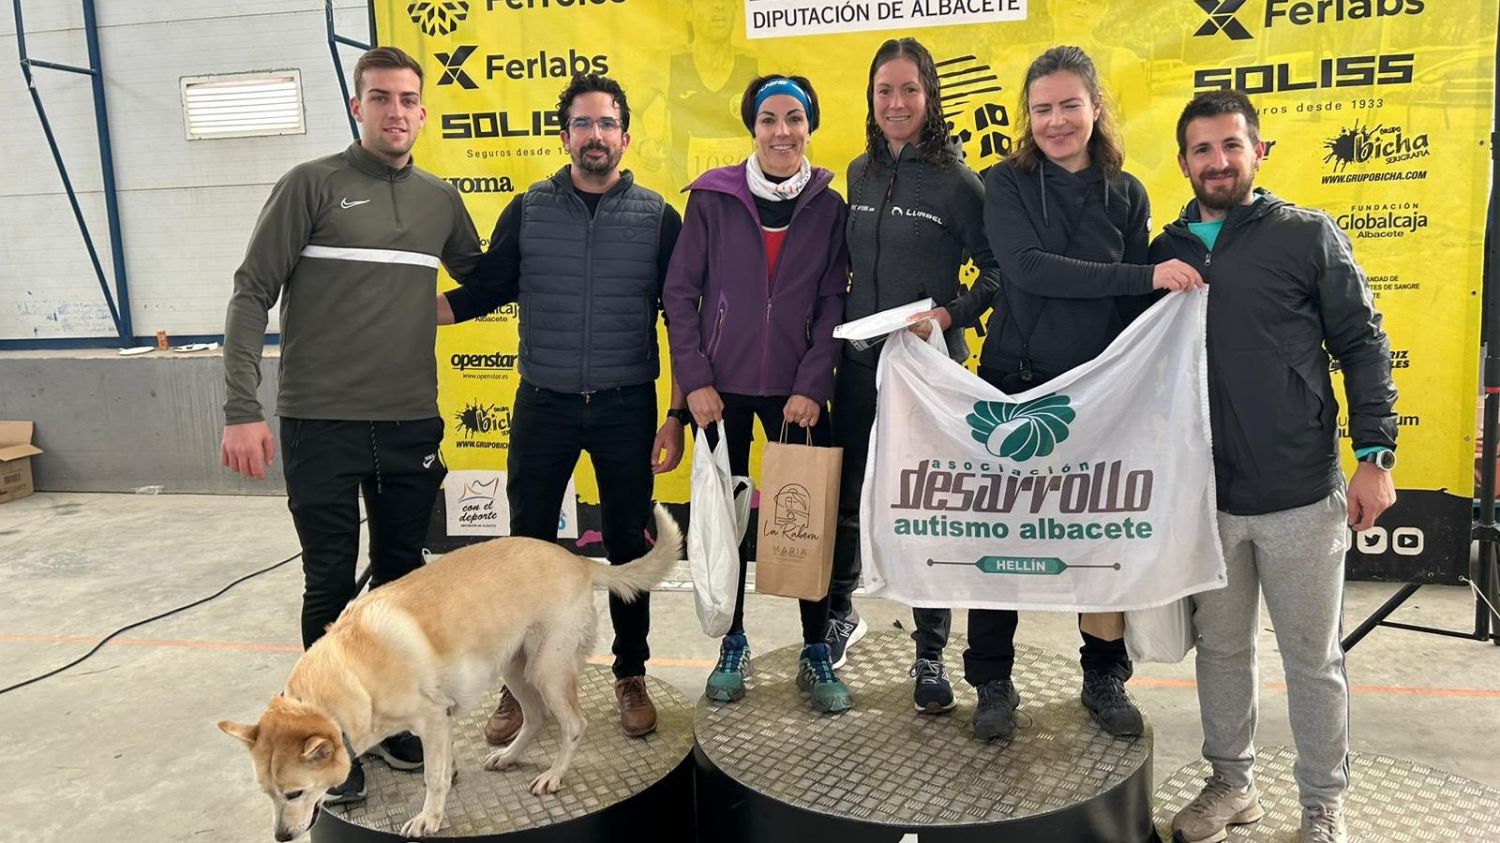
(411, 653)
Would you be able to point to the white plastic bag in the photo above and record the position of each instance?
(720, 513)
(1162, 633)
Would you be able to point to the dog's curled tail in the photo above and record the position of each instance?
(635, 578)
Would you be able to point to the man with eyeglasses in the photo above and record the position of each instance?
(585, 253)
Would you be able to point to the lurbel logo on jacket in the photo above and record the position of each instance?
(922, 212)
(918, 213)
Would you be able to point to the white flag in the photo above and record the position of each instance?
(1093, 492)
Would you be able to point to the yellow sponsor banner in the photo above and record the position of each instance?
(1376, 111)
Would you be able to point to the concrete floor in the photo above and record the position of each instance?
(124, 747)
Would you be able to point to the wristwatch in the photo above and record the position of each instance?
(681, 414)
(1382, 458)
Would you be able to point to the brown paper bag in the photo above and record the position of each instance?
(799, 509)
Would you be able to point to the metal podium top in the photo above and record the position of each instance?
(884, 763)
(608, 768)
(1389, 801)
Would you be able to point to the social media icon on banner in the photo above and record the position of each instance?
(1408, 541)
(1373, 541)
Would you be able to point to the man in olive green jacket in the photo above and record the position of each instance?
(350, 244)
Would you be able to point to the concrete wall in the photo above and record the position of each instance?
(187, 207)
(117, 424)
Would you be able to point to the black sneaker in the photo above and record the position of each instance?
(352, 790)
(996, 715)
(1105, 698)
(403, 751)
(932, 694)
(844, 633)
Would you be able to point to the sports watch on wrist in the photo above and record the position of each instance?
(681, 414)
(1382, 458)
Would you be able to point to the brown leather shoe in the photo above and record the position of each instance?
(637, 713)
(505, 722)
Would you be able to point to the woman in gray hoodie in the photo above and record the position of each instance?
(916, 214)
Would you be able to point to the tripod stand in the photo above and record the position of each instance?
(1484, 571)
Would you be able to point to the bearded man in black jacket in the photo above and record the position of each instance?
(1285, 293)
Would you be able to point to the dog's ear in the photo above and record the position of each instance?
(317, 750)
(245, 732)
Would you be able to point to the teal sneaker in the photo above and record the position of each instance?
(815, 676)
(727, 682)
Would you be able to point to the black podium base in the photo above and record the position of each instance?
(771, 770)
(615, 782)
(1389, 801)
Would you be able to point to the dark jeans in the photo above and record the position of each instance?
(328, 464)
(740, 412)
(853, 414)
(992, 632)
(616, 427)
(992, 649)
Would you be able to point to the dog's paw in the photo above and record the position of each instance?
(422, 825)
(500, 759)
(546, 783)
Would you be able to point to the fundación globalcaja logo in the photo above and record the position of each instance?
(1043, 424)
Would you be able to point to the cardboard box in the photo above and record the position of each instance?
(16, 452)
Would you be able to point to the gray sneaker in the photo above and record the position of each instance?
(933, 693)
(1320, 825)
(1219, 805)
(844, 633)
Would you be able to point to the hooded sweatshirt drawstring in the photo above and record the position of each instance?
(1041, 177)
(375, 453)
(916, 230)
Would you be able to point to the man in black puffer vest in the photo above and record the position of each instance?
(584, 253)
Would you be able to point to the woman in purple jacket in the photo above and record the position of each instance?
(755, 287)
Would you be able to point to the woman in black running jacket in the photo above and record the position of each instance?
(916, 214)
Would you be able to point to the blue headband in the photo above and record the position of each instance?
(783, 86)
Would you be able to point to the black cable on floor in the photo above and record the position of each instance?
(97, 647)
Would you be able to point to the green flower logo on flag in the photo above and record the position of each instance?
(1044, 423)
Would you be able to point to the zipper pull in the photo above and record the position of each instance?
(1208, 259)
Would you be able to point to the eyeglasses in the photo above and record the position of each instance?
(607, 125)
